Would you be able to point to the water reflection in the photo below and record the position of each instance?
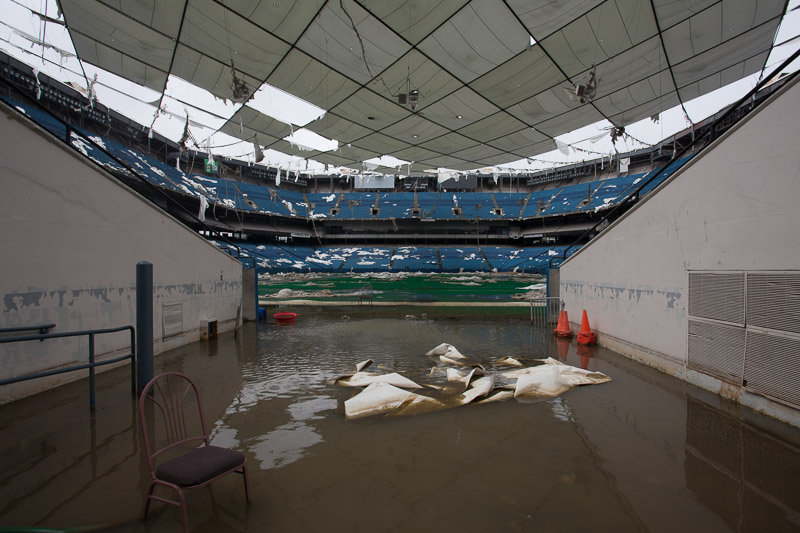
(289, 442)
(585, 353)
(563, 349)
(642, 452)
(746, 476)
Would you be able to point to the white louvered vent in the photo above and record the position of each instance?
(764, 355)
(172, 319)
(716, 349)
(773, 300)
(773, 366)
(717, 295)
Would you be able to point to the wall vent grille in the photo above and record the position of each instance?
(772, 366)
(773, 300)
(718, 296)
(172, 319)
(717, 349)
(744, 328)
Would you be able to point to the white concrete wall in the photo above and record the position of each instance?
(736, 206)
(71, 238)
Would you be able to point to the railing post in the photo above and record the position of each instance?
(144, 323)
(91, 371)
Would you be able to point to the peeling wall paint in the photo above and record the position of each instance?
(634, 294)
(77, 235)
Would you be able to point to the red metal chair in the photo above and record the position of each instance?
(178, 423)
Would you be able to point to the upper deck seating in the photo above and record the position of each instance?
(511, 203)
(537, 201)
(570, 198)
(669, 171)
(294, 202)
(356, 205)
(323, 204)
(434, 205)
(475, 205)
(611, 192)
(396, 205)
(42, 118)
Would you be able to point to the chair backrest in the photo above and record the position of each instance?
(170, 406)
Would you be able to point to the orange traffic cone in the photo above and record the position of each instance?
(562, 330)
(585, 336)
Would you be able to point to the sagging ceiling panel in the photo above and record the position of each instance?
(377, 67)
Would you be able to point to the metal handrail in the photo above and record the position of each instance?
(90, 365)
(546, 302)
(42, 328)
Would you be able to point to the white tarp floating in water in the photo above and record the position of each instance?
(447, 353)
(380, 397)
(364, 379)
(479, 387)
(509, 361)
(552, 378)
(457, 382)
(385, 393)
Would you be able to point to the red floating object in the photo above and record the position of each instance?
(284, 316)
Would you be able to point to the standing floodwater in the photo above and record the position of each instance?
(641, 452)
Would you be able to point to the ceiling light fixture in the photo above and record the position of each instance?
(584, 92)
(410, 97)
(413, 99)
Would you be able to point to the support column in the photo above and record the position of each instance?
(144, 324)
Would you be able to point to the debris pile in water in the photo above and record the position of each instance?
(456, 380)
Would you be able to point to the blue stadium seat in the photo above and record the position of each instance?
(569, 198)
(396, 205)
(462, 258)
(415, 259)
(537, 198)
(511, 203)
(368, 259)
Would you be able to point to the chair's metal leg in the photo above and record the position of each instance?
(184, 512)
(246, 484)
(147, 500)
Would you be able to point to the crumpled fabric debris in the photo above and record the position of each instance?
(387, 393)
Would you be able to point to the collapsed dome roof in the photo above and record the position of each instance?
(495, 80)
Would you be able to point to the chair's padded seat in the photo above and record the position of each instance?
(199, 465)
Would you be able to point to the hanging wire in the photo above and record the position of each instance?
(358, 36)
(99, 82)
(43, 28)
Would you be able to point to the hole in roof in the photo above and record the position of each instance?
(307, 139)
(283, 106)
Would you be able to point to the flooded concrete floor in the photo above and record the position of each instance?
(642, 452)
